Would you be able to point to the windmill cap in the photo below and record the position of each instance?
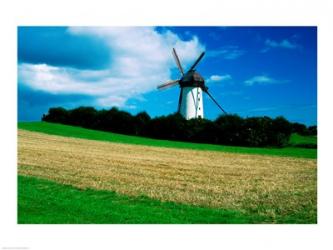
(192, 78)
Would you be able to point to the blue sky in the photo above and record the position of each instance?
(251, 71)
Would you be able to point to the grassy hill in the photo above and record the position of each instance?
(77, 132)
(297, 140)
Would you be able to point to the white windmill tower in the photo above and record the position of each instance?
(190, 104)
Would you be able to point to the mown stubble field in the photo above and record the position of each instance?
(270, 186)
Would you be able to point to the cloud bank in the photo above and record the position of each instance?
(140, 59)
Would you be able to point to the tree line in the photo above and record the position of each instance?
(225, 130)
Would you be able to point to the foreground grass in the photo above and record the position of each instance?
(77, 132)
(46, 202)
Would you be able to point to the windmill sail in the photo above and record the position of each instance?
(168, 84)
(174, 53)
(206, 91)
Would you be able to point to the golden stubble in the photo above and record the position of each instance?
(251, 183)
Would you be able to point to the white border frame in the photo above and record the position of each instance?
(209, 12)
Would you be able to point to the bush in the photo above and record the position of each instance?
(312, 130)
(301, 129)
(57, 115)
(225, 130)
(83, 116)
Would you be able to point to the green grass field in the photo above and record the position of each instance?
(299, 140)
(45, 202)
(77, 132)
(42, 201)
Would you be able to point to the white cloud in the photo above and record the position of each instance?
(262, 80)
(285, 44)
(227, 52)
(140, 60)
(219, 78)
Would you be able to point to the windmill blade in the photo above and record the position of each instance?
(197, 61)
(215, 101)
(174, 53)
(180, 99)
(167, 84)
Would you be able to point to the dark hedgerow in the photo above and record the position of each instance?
(225, 130)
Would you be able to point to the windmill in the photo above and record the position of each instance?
(191, 83)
